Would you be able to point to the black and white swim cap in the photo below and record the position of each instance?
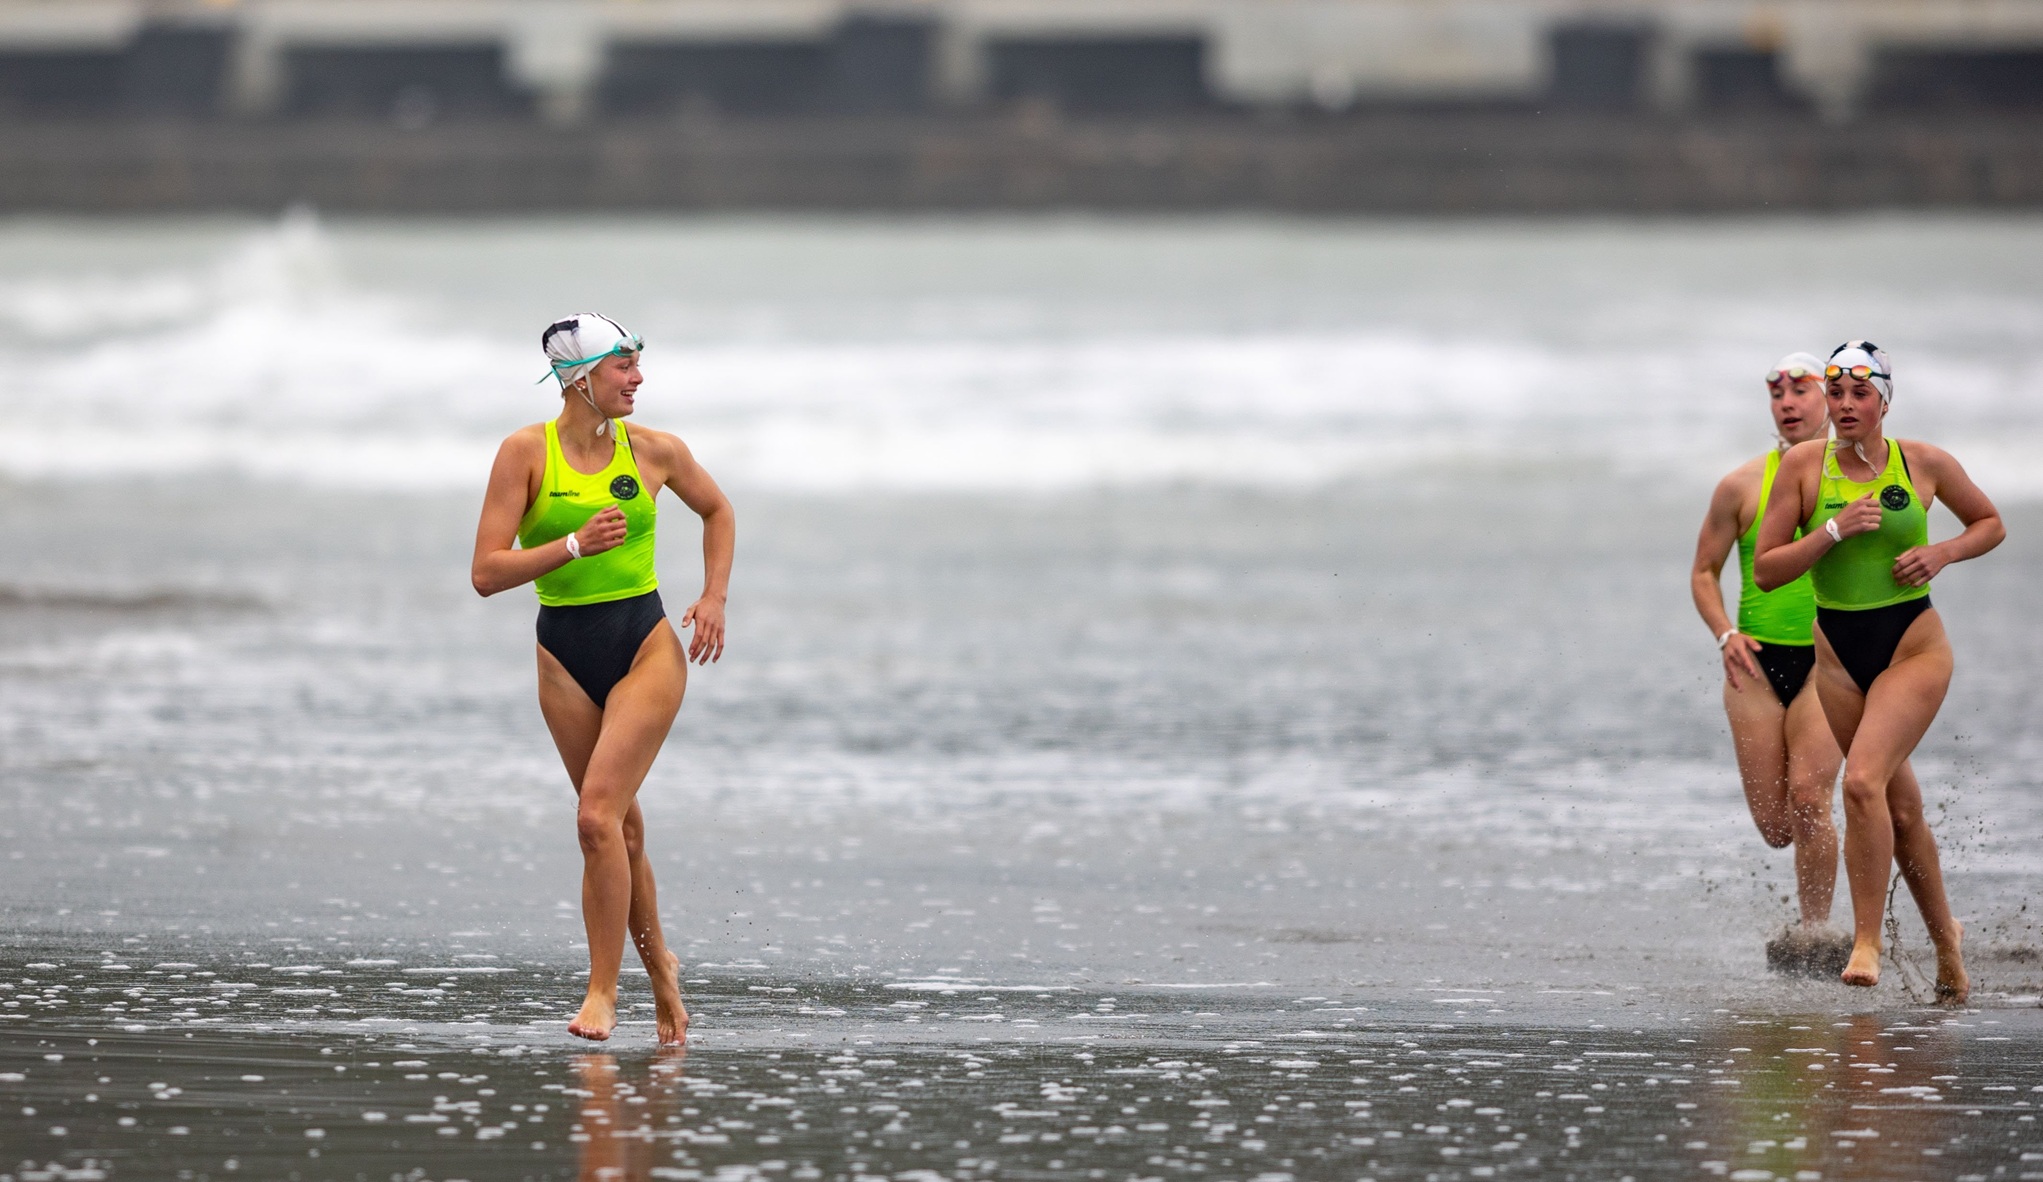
(1870, 355)
(574, 344)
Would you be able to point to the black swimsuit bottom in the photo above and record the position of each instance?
(597, 642)
(1864, 641)
(1786, 667)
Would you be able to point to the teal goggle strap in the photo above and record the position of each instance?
(620, 349)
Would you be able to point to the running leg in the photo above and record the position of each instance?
(1812, 765)
(1877, 732)
(663, 968)
(607, 753)
(1915, 849)
(659, 662)
(1758, 739)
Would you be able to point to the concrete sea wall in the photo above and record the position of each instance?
(1417, 162)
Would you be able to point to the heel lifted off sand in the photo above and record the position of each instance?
(1954, 985)
(671, 1013)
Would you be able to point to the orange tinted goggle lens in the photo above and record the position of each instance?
(1793, 373)
(1861, 372)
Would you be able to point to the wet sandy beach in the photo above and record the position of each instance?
(940, 1078)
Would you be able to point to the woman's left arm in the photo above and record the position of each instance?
(719, 541)
(1949, 483)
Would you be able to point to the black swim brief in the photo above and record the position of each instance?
(1864, 641)
(1786, 667)
(597, 642)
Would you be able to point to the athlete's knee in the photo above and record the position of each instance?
(598, 828)
(1810, 802)
(1863, 792)
(1777, 835)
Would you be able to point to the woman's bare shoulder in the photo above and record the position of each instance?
(1915, 451)
(1746, 473)
(664, 446)
(1802, 458)
(529, 435)
(526, 445)
(1740, 484)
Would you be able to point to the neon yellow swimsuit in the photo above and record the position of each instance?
(1858, 573)
(566, 501)
(1786, 614)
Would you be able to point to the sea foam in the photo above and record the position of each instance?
(274, 360)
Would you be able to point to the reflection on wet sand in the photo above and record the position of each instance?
(1865, 1095)
(848, 1081)
(622, 1125)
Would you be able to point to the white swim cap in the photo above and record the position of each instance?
(574, 344)
(1795, 365)
(1872, 357)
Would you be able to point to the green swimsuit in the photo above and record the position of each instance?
(595, 612)
(1780, 619)
(1784, 614)
(1863, 611)
(566, 501)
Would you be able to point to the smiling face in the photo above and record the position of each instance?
(613, 384)
(1855, 407)
(1799, 409)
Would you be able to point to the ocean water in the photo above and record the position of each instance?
(1235, 667)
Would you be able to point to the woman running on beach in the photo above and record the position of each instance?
(1883, 662)
(576, 496)
(1786, 755)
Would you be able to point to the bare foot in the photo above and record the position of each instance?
(1953, 985)
(1864, 967)
(596, 1020)
(669, 1012)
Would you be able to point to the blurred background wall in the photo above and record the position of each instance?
(1280, 104)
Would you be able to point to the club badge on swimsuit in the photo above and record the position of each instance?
(1893, 496)
(625, 487)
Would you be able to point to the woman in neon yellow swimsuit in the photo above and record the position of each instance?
(1883, 663)
(1786, 755)
(576, 495)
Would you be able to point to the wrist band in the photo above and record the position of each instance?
(1725, 638)
(574, 546)
(1830, 527)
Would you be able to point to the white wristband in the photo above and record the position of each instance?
(1830, 527)
(574, 546)
(1725, 638)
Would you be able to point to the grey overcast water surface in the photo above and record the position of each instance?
(1337, 814)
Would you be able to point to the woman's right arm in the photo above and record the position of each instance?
(498, 564)
(1779, 557)
(1706, 578)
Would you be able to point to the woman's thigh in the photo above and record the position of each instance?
(572, 719)
(635, 720)
(1904, 699)
(1812, 748)
(1839, 695)
(1759, 737)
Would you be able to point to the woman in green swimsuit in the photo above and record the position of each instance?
(576, 496)
(1786, 755)
(1883, 663)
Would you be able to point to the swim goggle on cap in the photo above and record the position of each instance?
(1794, 367)
(1867, 362)
(575, 344)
